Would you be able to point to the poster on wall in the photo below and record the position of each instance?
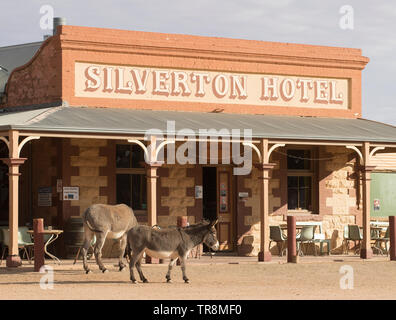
(376, 204)
(70, 193)
(44, 197)
(198, 192)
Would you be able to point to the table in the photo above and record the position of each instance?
(54, 234)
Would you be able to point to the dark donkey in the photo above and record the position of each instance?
(106, 221)
(170, 243)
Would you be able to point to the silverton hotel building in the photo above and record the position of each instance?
(248, 132)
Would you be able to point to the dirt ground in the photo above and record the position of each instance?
(217, 278)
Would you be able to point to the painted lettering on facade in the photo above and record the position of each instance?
(138, 83)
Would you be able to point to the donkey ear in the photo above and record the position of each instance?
(214, 222)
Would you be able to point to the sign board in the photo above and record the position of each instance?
(151, 83)
(44, 197)
(71, 193)
(243, 194)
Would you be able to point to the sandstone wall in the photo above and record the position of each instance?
(89, 161)
(177, 197)
(44, 174)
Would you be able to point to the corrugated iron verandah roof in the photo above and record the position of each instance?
(84, 120)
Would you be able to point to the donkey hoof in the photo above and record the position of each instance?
(168, 280)
(186, 281)
(88, 271)
(134, 281)
(122, 268)
(145, 281)
(105, 270)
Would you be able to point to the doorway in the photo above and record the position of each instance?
(218, 204)
(209, 183)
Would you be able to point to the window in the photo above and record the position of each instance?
(300, 175)
(131, 178)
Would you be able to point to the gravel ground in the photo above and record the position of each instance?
(218, 278)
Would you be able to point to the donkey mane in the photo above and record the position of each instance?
(196, 225)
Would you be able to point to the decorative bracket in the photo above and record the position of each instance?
(141, 144)
(24, 141)
(375, 150)
(358, 152)
(5, 141)
(250, 144)
(277, 145)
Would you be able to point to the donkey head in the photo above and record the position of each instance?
(210, 238)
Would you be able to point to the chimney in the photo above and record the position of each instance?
(58, 21)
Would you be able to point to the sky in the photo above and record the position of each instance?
(295, 21)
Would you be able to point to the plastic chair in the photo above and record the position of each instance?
(25, 241)
(355, 235)
(385, 239)
(22, 236)
(276, 235)
(307, 236)
(346, 240)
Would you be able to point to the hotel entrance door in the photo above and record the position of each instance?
(218, 204)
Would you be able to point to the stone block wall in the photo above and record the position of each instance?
(177, 198)
(44, 174)
(89, 161)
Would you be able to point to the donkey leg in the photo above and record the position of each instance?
(123, 243)
(87, 242)
(139, 269)
(100, 239)
(168, 275)
(183, 267)
(132, 262)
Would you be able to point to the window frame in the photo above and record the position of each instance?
(312, 172)
(130, 171)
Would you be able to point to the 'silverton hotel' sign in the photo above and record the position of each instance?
(142, 83)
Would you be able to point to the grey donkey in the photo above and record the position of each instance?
(106, 221)
(170, 243)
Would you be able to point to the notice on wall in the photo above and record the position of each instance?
(44, 197)
(59, 185)
(376, 204)
(71, 193)
(198, 192)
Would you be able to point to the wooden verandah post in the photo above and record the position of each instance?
(365, 251)
(152, 178)
(264, 169)
(13, 162)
